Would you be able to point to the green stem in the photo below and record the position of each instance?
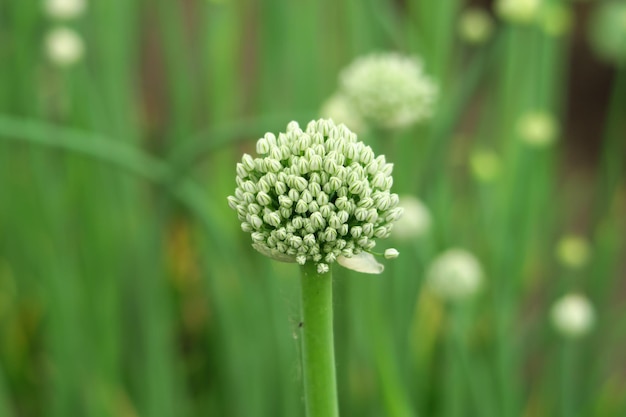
(568, 362)
(318, 355)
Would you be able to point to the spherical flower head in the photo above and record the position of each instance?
(573, 251)
(538, 129)
(454, 275)
(415, 221)
(64, 9)
(340, 110)
(389, 90)
(317, 195)
(475, 25)
(64, 46)
(607, 31)
(518, 11)
(572, 315)
(485, 165)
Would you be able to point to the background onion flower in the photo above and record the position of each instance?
(572, 315)
(389, 90)
(454, 275)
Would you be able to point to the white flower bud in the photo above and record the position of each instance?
(322, 268)
(242, 172)
(475, 26)
(262, 147)
(297, 222)
(273, 165)
(285, 201)
(270, 139)
(309, 239)
(64, 9)
(315, 188)
(295, 241)
(281, 234)
(254, 209)
(326, 210)
(256, 222)
(367, 155)
(372, 216)
(317, 221)
(322, 198)
(313, 207)
(518, 11)
(285, 212)
(272, 219)
(572, 315)
(258, 236)
(275, 153)
(306, 196)
(301, 207)
(357, 187)
(330, 234)
(249, 198)
(232, 202)
(64, 46)
(379, 180)
(248, 162)
(334, 221)
(538, 129)
(360, 214)
(263, 199)
(315, 163)
(454, 275)
(391, 253)
(300, 183)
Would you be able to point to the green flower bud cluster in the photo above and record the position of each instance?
(314, 195)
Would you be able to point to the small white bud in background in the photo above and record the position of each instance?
(322, 268)
(64, 9)
(518, 11)
(475, 26)
(485, 165)
(573, 251)
(64, 46)
(537, 129)
(454, 275)
(572, 315)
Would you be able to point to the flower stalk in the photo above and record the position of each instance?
(318, 354)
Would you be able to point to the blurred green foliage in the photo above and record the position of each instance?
(127, 288)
